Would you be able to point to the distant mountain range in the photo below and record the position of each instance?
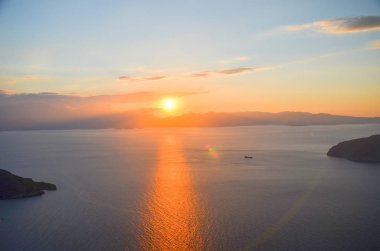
(220, 119)
(147, 119)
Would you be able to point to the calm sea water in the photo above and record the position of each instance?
(177, 189)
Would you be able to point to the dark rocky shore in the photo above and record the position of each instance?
(360, 150)
(14, 187)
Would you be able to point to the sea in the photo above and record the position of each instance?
(228, 188)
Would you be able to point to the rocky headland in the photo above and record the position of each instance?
(359, 150)
(14, 187)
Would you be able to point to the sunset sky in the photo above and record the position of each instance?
(313, 56)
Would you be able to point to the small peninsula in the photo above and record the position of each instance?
(359, 150)
(14, 187)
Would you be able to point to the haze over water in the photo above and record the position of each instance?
(70, 67)
(177, 189)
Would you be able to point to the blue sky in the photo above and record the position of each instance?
(84, 47)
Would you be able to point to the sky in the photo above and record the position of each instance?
(238, 55)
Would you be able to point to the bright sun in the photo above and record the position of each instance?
(169, 104)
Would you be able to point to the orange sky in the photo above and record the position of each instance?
(241, 56)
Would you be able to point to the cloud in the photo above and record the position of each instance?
(155, 78)
(230, 71)
(49, 93)
(125, 78)
(241, 58)
(32, 78)
(341, 25)
(375, 44)
(10, 80)
(200, 74)
(235, 70)
(31, 110)
(148, 78)
(4, 92)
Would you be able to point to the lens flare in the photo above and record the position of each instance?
(212, 152)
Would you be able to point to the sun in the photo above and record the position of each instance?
(169, 104)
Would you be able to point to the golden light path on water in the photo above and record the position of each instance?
(171, 219)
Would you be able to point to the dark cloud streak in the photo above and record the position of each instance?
(150, 78)
(231, 71)
(341, 25)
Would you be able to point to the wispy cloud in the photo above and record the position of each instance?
(375, 44)
(147, 78)
(341, 25)
(236, 70)
(125, 78)
(31, 77)
(4, 92)
(155, 78)
(200, 74)
(230, 71)
(22, 79)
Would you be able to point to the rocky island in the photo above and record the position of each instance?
(359, 150)
(14, 187)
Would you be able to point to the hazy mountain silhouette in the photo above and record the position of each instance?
(219, 119)
(147, 119)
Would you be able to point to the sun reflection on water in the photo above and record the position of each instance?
(171, 218)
